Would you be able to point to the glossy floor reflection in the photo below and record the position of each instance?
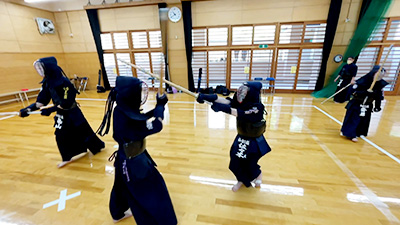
(312, 175)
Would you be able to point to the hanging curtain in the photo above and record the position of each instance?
(187, 25)
(331, 25)
(95, 25)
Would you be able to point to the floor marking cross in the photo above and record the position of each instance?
(61, 201)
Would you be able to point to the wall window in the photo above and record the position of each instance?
(142, 48)
(230, 56)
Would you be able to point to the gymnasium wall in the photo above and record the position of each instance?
(78, 46)
(234, 12)
(146, 17)
(21, 44)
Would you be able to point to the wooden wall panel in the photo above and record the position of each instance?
(17, 72)
(83, 65)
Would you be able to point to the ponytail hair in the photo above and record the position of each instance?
(107, 113)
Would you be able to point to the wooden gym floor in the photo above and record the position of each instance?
(312, 175)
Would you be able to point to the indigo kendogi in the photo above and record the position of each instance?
(138, 185)
(249, 145)
(346, 76)
(363, 103)
(73, 133)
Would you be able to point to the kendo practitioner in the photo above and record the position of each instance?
(346, 76)
(73, 133)
(249, 145)
(138, 186)
(359, 109)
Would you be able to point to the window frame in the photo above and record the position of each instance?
(132, 50)
(274, 47)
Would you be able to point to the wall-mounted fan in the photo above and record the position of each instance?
(45, 26)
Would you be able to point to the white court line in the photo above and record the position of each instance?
(6, 117)
(372, 197)
(61, 201)
(333, 118)
(362, 137)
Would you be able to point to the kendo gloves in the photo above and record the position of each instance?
(221, 107)
(204, 97)
(24, 112)
(160, 106)
(48, 111)
(162, 100)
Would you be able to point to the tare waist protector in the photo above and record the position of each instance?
(250, 129)
(134, 148)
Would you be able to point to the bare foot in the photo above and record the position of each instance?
(236, 187)
(64, 163)
(258, 181)
(128, 213)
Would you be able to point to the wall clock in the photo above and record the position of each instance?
(174, 14)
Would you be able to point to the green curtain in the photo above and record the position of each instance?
(373, 15)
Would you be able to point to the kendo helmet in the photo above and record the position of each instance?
(131, 91)
(247, 94)
(48, 69)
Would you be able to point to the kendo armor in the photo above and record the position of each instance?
(250, 129)
(134, 148)
(255, 128)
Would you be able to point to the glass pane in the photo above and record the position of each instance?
(379, 31)
(139, 40)
(240, 67)
(218, 36)
(314, 33)
(143, 60)
(366, 60)
(199, 60)
(217, 68)
(286, 68)
(392, 66)
(111, 71)
(121, 40)
(124, 70)
(310, 63)
(157, 61)
(262, 64)
(394, 31)
(106, 42)
(264, 34)
(242, 35)
(199, 37)
(291, 33)
(155, 39)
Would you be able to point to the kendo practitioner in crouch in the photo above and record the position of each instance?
(346, 76)
(73, 133)
(359, 109)
(138, 186)
(249, 145)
